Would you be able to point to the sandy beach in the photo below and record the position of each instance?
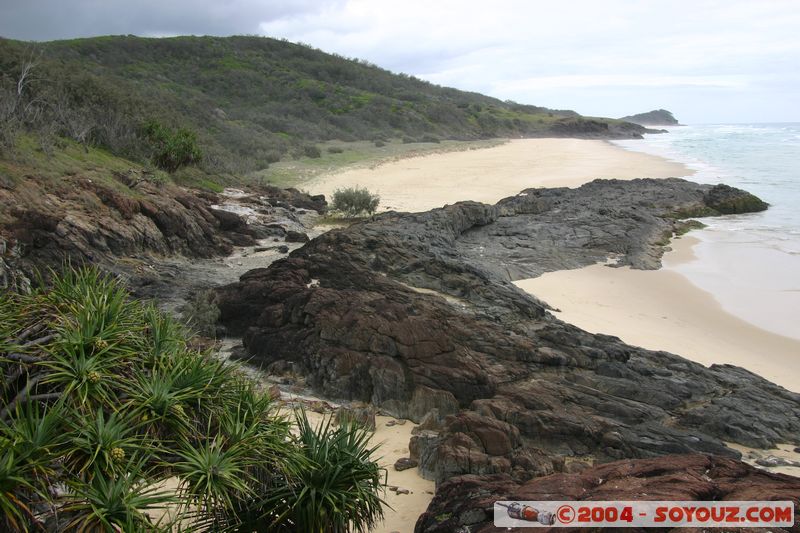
(490, 174)
(659, 310)
(663, 310)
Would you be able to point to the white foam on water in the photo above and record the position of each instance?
(749, 262)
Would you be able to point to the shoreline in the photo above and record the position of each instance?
(429, 181)
(663, 310)
(490, 174)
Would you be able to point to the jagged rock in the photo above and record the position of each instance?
(425, 399)
(728, 201)
(228, 221)
(357, 412)
(296, 236)
(468, 500)
(415, 312)
(471, 443)
(88, 222)
(404, 463)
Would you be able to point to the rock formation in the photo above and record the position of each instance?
(464, 504)
(416, 313)
(126, 223)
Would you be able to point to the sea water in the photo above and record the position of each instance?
(749, 263)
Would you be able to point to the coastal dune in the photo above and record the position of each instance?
(490, 174)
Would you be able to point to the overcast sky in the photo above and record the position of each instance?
(706, 60)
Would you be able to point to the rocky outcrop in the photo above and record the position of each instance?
(416, 313)
(587, 128)
(84, 221)
(464, 504)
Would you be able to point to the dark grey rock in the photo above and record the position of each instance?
(404, 463)
(489, 359)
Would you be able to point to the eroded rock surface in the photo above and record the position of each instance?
(464, 504)
(151, 234)
(416, 314)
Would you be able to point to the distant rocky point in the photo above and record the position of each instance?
(657, 117)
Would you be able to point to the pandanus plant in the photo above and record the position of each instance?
(103, 405)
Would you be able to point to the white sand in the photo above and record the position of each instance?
(490, 174)
(406, 508)
(662, 310)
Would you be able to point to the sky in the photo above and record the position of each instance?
(708, 61)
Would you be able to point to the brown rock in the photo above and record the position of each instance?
(296, 236)
(463, 500)
(360, 413)
(274, 392)
(404, 463)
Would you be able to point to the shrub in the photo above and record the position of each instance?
(353, 201)
(334, 500)
(335, 150)
(380, 144)
(107, 402)
(427, 138)
(311, 151)
(171, 149)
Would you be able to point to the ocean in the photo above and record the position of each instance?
(749, 263)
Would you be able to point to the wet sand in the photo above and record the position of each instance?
(663, 310)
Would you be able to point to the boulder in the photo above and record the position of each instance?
(404, 463)
(296, 236)
(356, 412)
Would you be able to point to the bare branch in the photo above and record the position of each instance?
(22, 396)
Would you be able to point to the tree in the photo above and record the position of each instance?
(353, 201)
(171, 149)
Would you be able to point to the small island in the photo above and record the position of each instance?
(657, 117)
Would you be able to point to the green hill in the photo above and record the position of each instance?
(250, 101)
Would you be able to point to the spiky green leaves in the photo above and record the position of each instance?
(101, 401)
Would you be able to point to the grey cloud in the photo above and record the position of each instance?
(44, 20)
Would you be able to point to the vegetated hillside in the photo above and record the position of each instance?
(657, 117)
(252, 100)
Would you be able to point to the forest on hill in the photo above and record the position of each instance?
(244, 102)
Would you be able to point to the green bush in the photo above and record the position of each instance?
(171, 149)
(353, 201)
(311, 151)
(427, 138)
(335, 150)
(108, 402)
